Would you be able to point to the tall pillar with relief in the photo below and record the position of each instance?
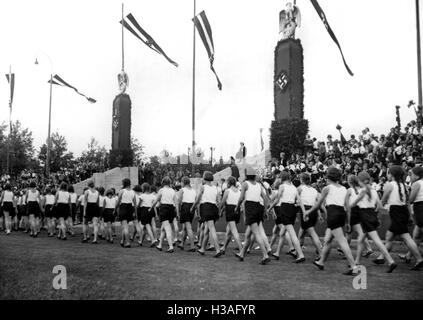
(121, 154)
(289, 128)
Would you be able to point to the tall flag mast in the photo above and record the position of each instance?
(11, 79)
(193, 86)
(419, 68)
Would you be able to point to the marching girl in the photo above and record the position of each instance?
(286, 198)
(63, 208)
(49, 201)
(276, 218)
(368, 204)
(153, 215)
(309, 196)
(109, 205)
(102, 231)
(136, 217)
(416, 199)
(33, 208)
(395, 195)
(24, 214)
(144, 205)
(251, 193)
(125, 205)
(91, 212)
(353, 213)
(166, 197)
(209, 198)
(17, 216)
(229, 203)
(186, 198)
(72, 217)
(8, 207)
(334, 196)
(80, 205)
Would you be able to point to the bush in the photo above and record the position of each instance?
(288, 135)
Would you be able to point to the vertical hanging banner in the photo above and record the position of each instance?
(330, 31)
(203, 27)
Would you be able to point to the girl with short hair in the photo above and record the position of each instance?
(125, 205)
(186, 199)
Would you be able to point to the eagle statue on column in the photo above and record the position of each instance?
(289, 20)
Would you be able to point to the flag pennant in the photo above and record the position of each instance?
(203, 27)
(11, 80)
(330, 31)
(60, 82)
(133, 26)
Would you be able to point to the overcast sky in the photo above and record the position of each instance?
(82, 37)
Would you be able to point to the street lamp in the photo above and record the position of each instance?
(47, 164)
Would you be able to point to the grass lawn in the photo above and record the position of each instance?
(107, 271)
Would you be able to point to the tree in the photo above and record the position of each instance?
(94, 159)
(138, 150)
(288, 135)
(60, 157)
(21, 148)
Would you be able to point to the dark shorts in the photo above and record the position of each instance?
(355, 216)
(368, 218)
(336, 217)
(144, 216)
(126, 212)
(49, 212)
(33, 208)
(9, 208)
(231, 214)
(399, 219)
(186, 215)
(62, 210)
(288, 213)
(418, 213)
(209, 212)
(108, 215)
(261, 213)
(23, 211)
(73, 205)
(278, 214)
(93, 211)
(166, 212)
(312, 219)
(253, 211)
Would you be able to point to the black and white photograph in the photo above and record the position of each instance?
(222, 152)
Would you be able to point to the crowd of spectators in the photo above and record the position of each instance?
(365, 152)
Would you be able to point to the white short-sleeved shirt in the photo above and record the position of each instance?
(336, 196)
(308, 195)
(49, 199)
(289, 194)
(127, 196)
(188, 195)
(419, 196)
(209, 194)
(63, 197)
(92, 196)
(253, 192)
(8, 196)
(368, 203)
(394, 197)
(147, 199)
(168, 196)
(233, 197)
(110, 203)
(33, 196)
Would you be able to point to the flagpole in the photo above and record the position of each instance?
(10, 124)
(193, 89)
(419, 62)
(123, 39)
